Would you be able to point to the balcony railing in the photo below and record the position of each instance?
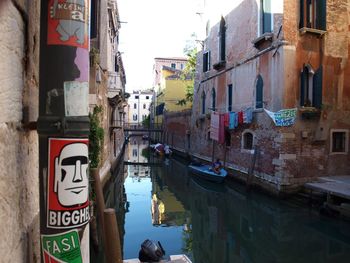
(114, 84)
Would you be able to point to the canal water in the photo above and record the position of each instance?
(213, 223)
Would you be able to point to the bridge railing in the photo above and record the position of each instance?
(140, 126)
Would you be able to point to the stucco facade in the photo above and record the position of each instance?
(276, 60)
(139, 106)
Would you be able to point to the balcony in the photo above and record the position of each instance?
(114, 85)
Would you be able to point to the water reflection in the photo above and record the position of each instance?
(221, 223)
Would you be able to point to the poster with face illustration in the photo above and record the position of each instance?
(68, 23)
(68, 183)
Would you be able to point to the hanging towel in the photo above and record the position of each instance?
(232, 118)
(240, 117)
(222, 129)
(236, 119)
(248, 115)
(226, 119)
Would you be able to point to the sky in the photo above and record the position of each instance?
(153, 28)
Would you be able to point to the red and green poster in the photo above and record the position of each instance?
(68, 183)
(68, 23)
(61, 248)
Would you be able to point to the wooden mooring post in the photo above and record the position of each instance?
(250, 176)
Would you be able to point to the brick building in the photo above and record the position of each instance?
(262, 58)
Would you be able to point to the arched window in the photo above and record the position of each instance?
(203, 102)
(213, 99)
(248, 140)
(259, 93)
(222, 40)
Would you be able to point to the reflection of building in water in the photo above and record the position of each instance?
(166, 208)
(136, 153)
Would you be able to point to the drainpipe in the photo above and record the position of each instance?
(63, 129)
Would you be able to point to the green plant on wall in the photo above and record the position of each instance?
(96, 137)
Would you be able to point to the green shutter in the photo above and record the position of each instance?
(301, 21)
(321, 14)
(259, 93)
(303, 75)
(230, 97)
(317, 89)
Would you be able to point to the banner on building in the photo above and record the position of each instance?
(68, 23)
(62, 247)
(67, 184)
(285, 117)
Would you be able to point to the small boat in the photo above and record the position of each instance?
(205, 172)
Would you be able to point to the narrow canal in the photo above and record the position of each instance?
(214, 223)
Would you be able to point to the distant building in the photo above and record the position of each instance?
(170, 87)
(139, 106)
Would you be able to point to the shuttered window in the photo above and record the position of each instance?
(203, 102)
(313, 14)
(311, 87)
(222, 40)
(259, 93)
(213, 99)
(206, 61)
(229, 93)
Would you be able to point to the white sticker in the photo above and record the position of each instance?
(76, 98)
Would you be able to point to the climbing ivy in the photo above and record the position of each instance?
(96, 137)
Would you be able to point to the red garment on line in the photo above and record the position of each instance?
(240, 117)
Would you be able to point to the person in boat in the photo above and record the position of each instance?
(167, 150)
(216, 166)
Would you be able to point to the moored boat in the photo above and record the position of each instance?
(205, 172)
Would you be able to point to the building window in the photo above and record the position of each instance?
(213, 99)
(229, 93)
(311, 87)
(313, 14)
(206, 61)
(247, 140)
(135, 106)
(144, 106)
(182, 66)
(94, 19)
(116, 66)
(339, 141)
(137, 97)
(134, 152)
(203, 102)
(259, 93)
(134, 117)
(222, 40)
(147, 97)
(266, 16)
(173, 65)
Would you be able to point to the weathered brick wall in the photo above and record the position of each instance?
(19, 197)
(288, 156)
(176, 130)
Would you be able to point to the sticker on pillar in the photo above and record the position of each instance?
(67, 194)
(76, 98)
(68, 23)
(63, 247)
